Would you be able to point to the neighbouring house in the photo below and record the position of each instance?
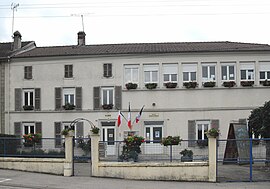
(187, 88)
(7, 51)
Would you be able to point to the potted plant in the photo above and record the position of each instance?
(107, 106)
(170, 140)
(131, 85)
(229, 84)
(209, 84)
(31, 139)
(247, 83)
(265, 82)
(170, 85)
(94, 129)
(213, 132)
(190, 85)
(187, 155)
(151, 85)
(69, 106)
(28, 107)
(67, 131)
(131, 148)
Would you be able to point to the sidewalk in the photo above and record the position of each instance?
(17, 179)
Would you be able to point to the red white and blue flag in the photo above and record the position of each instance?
(119, 118)
(129, 117)
(139, 115)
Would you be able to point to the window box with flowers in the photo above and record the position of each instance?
(209, 84)
(265, 82)
(229, 84)
(170, 85)
(31, 139)
(151, 85)
(171, 140)
(247, 83)
(107, 106)
(28, 107)
(131, 148)
(190, 85)
(202, 143)
(131, 85)
(69, 106)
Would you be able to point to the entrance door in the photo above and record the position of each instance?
(153, 135)
(108, 136)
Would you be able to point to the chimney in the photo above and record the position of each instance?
(81, 38)
(17, 44)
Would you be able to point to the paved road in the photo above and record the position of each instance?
(16, 179)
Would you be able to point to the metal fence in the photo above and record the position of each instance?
(153, 151)
(46, 147)
(243, 160)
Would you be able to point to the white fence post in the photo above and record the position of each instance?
(95, 153)
(212, 154)
(68, 165)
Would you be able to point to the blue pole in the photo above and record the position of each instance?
(170, 153)
(250, 160)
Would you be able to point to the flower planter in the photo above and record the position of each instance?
(209, 84)
(247, 83)
(186, 158)
(26, 107)
(69, 106)
(229, 84)
(131, 86)
(151, 85)
(265, 83)
(190, 85)
(171, 140)
(131, 148)
(187, 155)
(107, 106)
(170, 85)
(95, 130)
(202, 143)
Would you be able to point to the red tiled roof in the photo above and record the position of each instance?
(144, 48)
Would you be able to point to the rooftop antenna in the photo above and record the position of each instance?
(81, 15)
(13, 8)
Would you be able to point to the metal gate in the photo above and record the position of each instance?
(82, 157)
(243, 160)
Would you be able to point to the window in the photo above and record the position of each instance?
(69, 96)
(151, 73)
(28, 72)
(189, 72)
(28, 97)
(247, 71)
(227, 72)
(29, 128)
(107, 70)
(107, 96)
(264, 68)
(131, 74)
(201, 128)
(68, 71)
(208, 72)
(170, 73)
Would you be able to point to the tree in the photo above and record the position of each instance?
(259, 123)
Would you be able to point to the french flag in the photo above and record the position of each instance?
(129, 117)
(139, 115)
(119, 118)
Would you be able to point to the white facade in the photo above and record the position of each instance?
(167, 111)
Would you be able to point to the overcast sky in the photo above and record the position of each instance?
(57, 22)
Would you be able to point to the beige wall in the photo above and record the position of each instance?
(173, 106)
(39, 165)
